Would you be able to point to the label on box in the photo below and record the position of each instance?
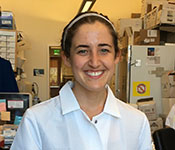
(11, 49)
(151, 33)
(2, 43)
(2, 49)
(10, 44)
(149, 108)
(2, 38)
(11, 38)
(3, 55)
(7, 33)
(10, 55)
(6, 13)
(6, 22)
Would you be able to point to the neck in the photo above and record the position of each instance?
(92, 103)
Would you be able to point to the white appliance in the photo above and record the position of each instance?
(138, 75)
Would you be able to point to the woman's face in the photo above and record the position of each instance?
(92, 57)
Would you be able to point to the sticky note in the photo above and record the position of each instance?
(5, 116)
(2, 105)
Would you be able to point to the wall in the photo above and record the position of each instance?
(42, 22)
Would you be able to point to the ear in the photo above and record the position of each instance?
(117, 59)
(65, 59)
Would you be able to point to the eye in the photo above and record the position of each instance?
(82, 52)
(104, 51)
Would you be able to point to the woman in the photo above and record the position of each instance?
(86, 115)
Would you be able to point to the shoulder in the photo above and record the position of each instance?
(4, 61)
(5, 66)
(133, 120)
(124, 109)
(131, 115)
(128, 108)
(44, 109)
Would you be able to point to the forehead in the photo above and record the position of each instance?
(96, 22)
(95, 27)
(93, 34)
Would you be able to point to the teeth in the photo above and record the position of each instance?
(94, 73)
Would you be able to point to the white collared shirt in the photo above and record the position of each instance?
(170, 120)
(60, 124)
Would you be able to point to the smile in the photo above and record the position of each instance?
(95, 74)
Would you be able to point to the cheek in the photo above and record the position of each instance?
(77, 63)
(110, 66)
(110, 62)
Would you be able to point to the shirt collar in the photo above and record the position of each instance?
(111, 106)
(68, 99)
(69, 102)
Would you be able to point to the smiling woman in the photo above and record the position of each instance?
(92, 58)
(76, 118)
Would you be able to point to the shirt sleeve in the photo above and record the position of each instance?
(27, 136)
(170, 120)
(145, 140)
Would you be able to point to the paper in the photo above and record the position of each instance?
(5, 116)
(2, 105)
(15, 104)
(153, 56)
(53, 76)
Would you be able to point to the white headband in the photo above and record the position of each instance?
(80, 17)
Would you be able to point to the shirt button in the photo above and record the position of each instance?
(96, 121)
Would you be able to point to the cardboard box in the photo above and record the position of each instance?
(170, 5)
(148, 106)
(162, 14)
(133, 105)
(135, 15)
(165, 16)
(134, 23)
(168, 85)
(156, 124)
(147, 37)
(167, 104)
(149, 5)
(150, 19)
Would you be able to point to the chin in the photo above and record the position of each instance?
(96, 88)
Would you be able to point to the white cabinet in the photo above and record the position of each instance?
(8, 41)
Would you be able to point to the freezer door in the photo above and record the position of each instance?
(146, 67)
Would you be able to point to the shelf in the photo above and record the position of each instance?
(54, 87)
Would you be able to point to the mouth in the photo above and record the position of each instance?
(94, 74)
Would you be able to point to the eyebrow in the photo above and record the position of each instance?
(104, 44)
(100, 45)
(85, 46)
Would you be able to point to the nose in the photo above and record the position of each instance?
(94, 60)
